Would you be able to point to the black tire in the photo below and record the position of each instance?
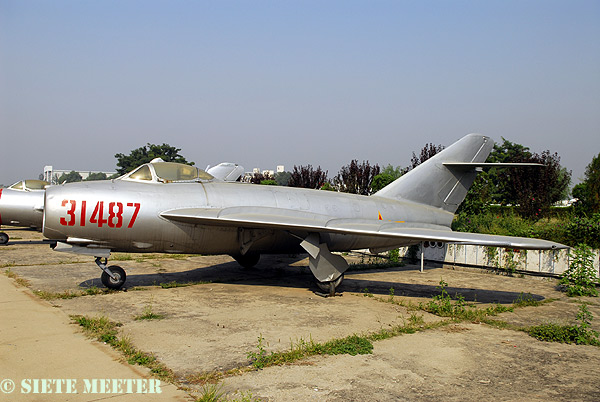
(326, 286)
(3, 238)
(111, 283)
(248, 260)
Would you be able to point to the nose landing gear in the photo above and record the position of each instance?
(113, 277)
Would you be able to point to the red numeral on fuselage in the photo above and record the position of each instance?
(70, 213)
(113, 216)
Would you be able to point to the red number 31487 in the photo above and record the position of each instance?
(112, 215)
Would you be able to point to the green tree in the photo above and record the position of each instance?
(380, 181)
(70, 177)
(141, 155)
(96, 176)
(500, 179)
(478, 198)
(282, 178)
(532, 189)
(588, 191)
(386, 176)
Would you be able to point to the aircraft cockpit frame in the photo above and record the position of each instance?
(29, 185)
(158, 171)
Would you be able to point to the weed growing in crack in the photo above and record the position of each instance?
(105, 330)
(351, 345)
(148, 314)
(175, 284)
(259, 358)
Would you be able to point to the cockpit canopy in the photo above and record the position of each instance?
(167, 172)
(30, 185)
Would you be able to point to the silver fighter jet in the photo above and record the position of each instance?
(174, 208)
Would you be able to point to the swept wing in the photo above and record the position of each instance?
(307, 222)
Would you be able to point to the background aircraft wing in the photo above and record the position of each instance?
(294, 220)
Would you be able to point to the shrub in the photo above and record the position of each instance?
(580, 278)
(584, 230)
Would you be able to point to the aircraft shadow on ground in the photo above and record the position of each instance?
(284, 275)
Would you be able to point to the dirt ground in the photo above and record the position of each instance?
(212, 325)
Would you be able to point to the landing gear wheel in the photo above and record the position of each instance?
(247, 260)
(3, 238)
(119, 275)
(330, 286)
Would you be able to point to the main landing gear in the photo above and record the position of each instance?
(113, 277)
(329, 287)
(327, 268)
(3, 238)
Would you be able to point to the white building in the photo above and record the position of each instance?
(52, 175)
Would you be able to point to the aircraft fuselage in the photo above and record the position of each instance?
(125, 216)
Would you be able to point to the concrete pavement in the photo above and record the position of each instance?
(41, 350)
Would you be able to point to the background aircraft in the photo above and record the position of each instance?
(173, 208)
(22, 204)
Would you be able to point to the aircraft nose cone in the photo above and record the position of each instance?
(21, 208)
(1, 206)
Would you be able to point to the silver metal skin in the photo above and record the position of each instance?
(22, 204)
(201, 215)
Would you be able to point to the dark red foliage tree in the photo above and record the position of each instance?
(356, 178)
(307, 177)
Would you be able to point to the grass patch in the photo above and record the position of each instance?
(457, 309)
(105, 330)
(580, 333)
(148, 314)
(352, 345)
(215, 393)
(20, 281)
(175, 284)
(415, 324)
(211, 393)
(70, 294)
(445, 306)
(527, 299)
(121, 257)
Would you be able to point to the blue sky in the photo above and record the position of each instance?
(263, 83)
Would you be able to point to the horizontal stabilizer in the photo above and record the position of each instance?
(476, 166)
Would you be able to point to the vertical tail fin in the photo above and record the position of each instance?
(439, 184)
